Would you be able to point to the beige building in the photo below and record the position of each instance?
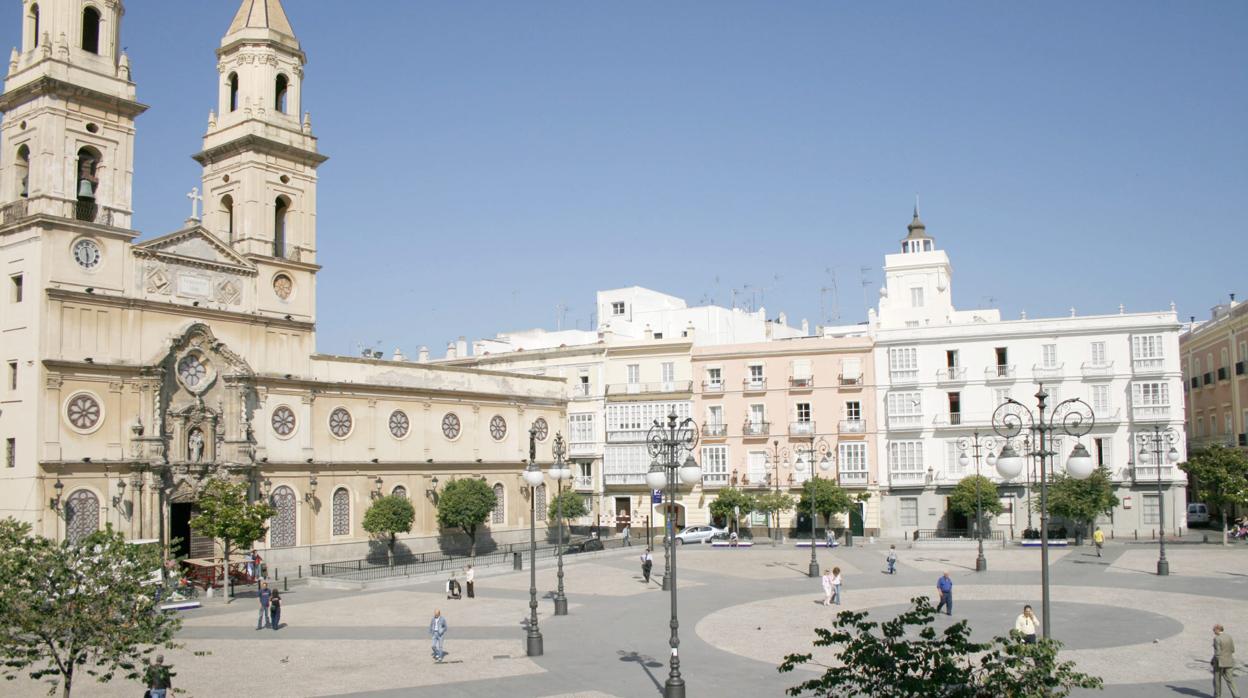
(764, 406)
(1214, 354)
(136, 371)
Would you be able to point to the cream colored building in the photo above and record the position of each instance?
(1214, 357)
(136, 370)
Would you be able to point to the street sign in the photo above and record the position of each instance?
(656, 497)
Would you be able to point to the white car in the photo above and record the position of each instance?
(1197, 514)
(698, 534)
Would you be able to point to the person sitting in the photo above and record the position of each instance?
(732, 539)
(452, 588)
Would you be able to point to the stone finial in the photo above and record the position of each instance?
(1072, 311)
(212, 118)
(62, 47)
(1174, 308)
(1022, 315)
(46, 44)
(1122, 309)
(123, 67)
(13, 57)
(307, 122)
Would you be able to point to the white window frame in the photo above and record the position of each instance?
(1150, 509)
(905, 408)
(908, 512)
(905, 458)
(1098, 354)
(715, 464)
(634, 373)
(668, 369)
(852, 462)
(756, 467)
(903, 363)
(1048, 356)
(618, 308)
(853, 414)
(715, 376)
(1100, 400)
(916, 296)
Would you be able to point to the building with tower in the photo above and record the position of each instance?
(139, 370)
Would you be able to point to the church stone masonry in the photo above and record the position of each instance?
(138, 371)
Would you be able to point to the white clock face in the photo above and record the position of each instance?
(86, 254)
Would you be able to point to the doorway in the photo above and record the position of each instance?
(184, 543)
(857, 514)
(623, 512)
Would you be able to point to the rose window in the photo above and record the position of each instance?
(283, 421)
(498, 427)
(450, 425)
(399, 424)
(340, 422)
(83, 412)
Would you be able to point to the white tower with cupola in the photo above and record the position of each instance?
(68, 134)
(916, 288)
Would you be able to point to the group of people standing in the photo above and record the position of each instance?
(453, 589)
(270, 608)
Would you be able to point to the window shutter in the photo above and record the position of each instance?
(851, 369)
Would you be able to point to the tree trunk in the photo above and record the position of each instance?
(225, 565)
(1224, 527)
(472, 543)
(68, 675)
(392, 542)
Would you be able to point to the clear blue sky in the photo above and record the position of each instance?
(492, 160)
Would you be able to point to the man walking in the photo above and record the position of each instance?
(470, 575)
(262, 621)
(158, 678)
(437, 629)
(892, 559)
(1098, 539)
(1223, 662)
(944, 586)
(647, 564)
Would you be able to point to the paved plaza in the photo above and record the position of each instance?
(741, 611)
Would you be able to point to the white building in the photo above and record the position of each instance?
(942, 373)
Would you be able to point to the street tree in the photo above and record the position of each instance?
(227, 516)
(731, 504)
(574, 506)
(1219, 476)
(69, 608)
(387, 517)
(830, 499)
(973, 493)
(773, 504)
(1081, 501)
(906, 657)
(466, 504)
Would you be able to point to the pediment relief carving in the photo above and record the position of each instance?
(195, 247)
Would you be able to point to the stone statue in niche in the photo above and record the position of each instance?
(195, 446)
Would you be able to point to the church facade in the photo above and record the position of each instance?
(139, 370)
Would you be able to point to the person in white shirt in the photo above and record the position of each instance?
(470, 575)
(827, 587)
(836, 585)
(1026, 625)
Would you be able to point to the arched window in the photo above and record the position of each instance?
(227, 210)
(281, 208)
(88, 184)
(91, 30)
(233, 91)
(279, 100)
(23, 171)
(499, 514)
(540, 502)
(82, 516)
(34, 25)
(342, 512)
(399, 491)
(282, 525)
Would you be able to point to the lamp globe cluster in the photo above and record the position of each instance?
(1010, 464)
(690, 473)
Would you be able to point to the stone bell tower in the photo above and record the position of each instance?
(259, 155)
(68, 135)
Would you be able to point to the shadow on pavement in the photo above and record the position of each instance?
(646, 663)
(1184, 691)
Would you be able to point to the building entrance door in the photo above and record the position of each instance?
(856, 516)
(183, 541)
(623, 512)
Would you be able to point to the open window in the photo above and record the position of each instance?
(227, 212)
(22, 173)
(279, 99)
(32, 22)
(281, 211)
(88, 184)
(91, 30)
(233, 85)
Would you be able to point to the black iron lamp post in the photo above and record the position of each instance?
(671, 446)
(775, 457)
(560, 471)
(974, 443)
(1151, 445)
(1072, 417)
(820, 450)
(533, 478)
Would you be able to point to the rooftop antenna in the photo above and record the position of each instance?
(866, 302)
(836, 304)
(561, 311)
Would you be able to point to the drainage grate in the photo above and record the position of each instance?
(502, 656)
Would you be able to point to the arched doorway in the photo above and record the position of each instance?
(674, 510)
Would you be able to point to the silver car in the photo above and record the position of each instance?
(698, 534)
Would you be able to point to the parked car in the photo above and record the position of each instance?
(583, 546)
(698, 534)
(1197, 514)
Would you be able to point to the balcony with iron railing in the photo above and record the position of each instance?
(581, 391)
(954, 420)
(1144, 474)
(754, 385)
(713, 386)
(850, 381)
(714, 431)
(650, 388)
(951, 374)
(905, 421)
(1093, 370)
(1047, 373)
(853, 478)
(1147, 413)
(1152, 364)
(755, 429)
(1000, 372)
(852, 426)
(801, 383)
(801, 428)
(13, 211)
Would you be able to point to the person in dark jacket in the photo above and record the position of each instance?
(158, 678)
(275, 609)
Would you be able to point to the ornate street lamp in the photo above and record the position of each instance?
(775, 457)
(1155, 441)
(671, 446)
(974, 444)
(819, 449)
(533, 478)
(1073, 417)
(560, 471)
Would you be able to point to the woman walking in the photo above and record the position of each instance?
(836, 585)
(275, 609)
(1026, 625)
(827, 587)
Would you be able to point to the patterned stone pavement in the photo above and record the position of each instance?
(740, 610)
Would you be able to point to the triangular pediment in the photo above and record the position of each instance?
(195, 246)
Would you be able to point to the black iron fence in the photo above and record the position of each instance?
(955, 534)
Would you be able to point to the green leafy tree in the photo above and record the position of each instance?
(226, 515)
(1219, 476)
(466, 504)
(731, 504)
(68, 608)
(906, 657)
(1081, 501)
(829, 498)
(973, 492)
(387, 518)
(574, 506)
(773, 504)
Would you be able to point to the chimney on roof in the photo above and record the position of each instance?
(689, 330)
(649, 333)
(422, 355)
(398, 355)
(450, 350)
(784, 318)
(805, 326)
(461, 348)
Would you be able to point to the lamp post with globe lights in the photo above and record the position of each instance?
(671, 448)
(533, 478)
(560, 471)
(1151, 444)
(974, 444)
(821, 451)
(1072, 417)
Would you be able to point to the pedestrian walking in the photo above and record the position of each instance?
(453, 590)
(944, 586)
(158, 678)
(892, 559)
(1026, 625)
(275, 609)
(1223, 662)
(827, 587)
(251, 563)
(437, 631)
(1098, 539)
(836, 585)
(626, 533)
(470, 575)
(829, 539)
(262, 620)
(647, 564)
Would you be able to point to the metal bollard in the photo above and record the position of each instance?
(300, 572)
(285, 583)
(517, 561)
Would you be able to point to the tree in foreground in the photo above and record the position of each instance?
(1081, 501)
(731, 504)
(466, 504)
(829, 498)
(906, 657)
(66, 608)
(574, 506)
(773, 504)
(226, 515)
(1220, 478)
(387, 517)
(972, 490)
